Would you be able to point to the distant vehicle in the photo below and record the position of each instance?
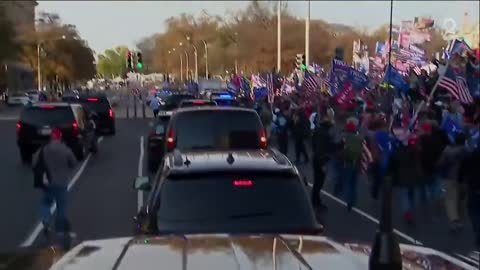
(224, 98)
(196, 103)
(156, 142)
(37, 121)
(33, 95)
(18, 98)
(171, 102)
(103, 115)
(215, 128)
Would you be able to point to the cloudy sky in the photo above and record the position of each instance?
(111, 23)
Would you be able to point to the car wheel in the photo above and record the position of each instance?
(112, 131)
(94, 147)
(25, 155)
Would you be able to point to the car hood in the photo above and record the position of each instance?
(212, 252)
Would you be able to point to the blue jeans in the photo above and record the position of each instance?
(432, 191)
(334, 169)
(407, 198)
(57, 194)
(348, 184)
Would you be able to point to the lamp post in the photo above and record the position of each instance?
(181, 65)
(186, 57)
(206, 59)
(39, 62)
(196, 58)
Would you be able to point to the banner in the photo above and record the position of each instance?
(344, 97)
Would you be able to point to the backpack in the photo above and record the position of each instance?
(353, 148)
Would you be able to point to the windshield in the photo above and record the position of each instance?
(233, 203)
(217, 130)
(172, 102)
(52, 116)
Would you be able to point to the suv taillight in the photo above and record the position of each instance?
(170, 140)
(75, 129)
(110, 113)
(18, 127)
(263, 138)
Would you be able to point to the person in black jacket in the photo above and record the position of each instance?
(300, 131)
(323, 148)
(469, 179)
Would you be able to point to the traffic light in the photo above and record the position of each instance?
(139, 61)
(129, 61)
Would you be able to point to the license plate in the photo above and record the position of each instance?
(45, 131)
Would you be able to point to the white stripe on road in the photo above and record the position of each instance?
(140, 173)
(36, 231)
(367, 216)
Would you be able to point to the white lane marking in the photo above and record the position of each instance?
(36, 231)
(140, 173)
(367, 216)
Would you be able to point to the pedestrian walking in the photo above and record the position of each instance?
(449, 164)
(300, 132)
(155, 105)
(53, 165)
(350, 157)
(323, 148)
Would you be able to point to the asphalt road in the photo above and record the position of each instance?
(102, 201)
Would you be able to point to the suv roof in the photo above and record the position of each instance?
(56, 104)
(261, 160)
(214, 108)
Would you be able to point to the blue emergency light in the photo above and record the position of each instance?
(226, 96)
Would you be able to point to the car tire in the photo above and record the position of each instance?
(94, 146)
(112, 131)
(25, 155)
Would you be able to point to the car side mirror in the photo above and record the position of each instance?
(142, 183)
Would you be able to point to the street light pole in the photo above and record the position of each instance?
(39, 72)
(279, 36)
(307, 36)
(188, 66)
(206, 59)
(196, 57)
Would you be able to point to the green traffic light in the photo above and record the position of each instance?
(139, 65)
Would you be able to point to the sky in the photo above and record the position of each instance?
(106, 24)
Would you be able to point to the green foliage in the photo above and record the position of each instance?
(112, 63)
(8, 46)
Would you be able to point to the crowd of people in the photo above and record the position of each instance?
(431, 166)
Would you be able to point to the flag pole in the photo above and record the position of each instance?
(307, 37)
(279, 36)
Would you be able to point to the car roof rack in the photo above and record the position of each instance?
(279, 157)
(177, 158)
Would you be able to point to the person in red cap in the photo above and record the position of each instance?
(351, 157)
(58, 161)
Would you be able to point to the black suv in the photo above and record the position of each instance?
(172, 102)
(103, 115)
(215, 128)
(36, 123)
(255, 191)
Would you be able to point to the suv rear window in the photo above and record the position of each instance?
(53, 116)
(98, 105)
(234, 203)
(216, 129)
(173, 101)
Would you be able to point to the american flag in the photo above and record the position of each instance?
(416, 69)
(311, 83)
(456, 85)
(270, 90)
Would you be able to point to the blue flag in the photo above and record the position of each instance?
(393, 77)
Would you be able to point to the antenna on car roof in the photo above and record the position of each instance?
(385, 253)
(230, 159)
